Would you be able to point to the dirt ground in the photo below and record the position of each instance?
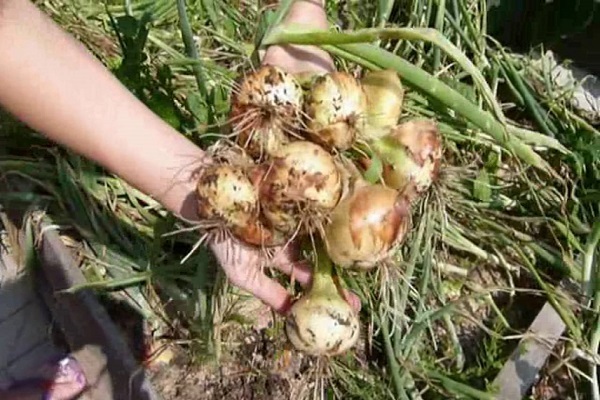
(254, 363)
(254, 371)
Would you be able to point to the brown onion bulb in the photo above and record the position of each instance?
(321, 322)
(256, 233)
(268, 95)
(270, 89)
(226, 194)
(411, 155)
(385, 96)
(335, 109)
(366, 226)
(263, 140)
(302, 177)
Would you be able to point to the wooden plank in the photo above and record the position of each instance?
(92, 336)
(521, 371)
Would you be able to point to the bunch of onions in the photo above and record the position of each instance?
(289, 174)
(263, 103)
(300, 183)
(367, 226)
(335, 110)
(321, 322)
(385, 97)
(411, 154)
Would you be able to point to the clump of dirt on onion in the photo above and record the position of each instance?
(298, 186)
(366, 226)
(335, 110)
(411, 154)
(322, 322)
(265, 105)
(385, 97)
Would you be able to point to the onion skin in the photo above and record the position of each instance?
(301, 176)
(335, 109)
(256, 233)
(263, 140)
(411, 155)
(367, 226)
(225, 193)
(270, 89)
(385, 97)
(321, 322)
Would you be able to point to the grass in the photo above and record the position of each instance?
(515, 212)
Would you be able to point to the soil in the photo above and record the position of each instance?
(477, 314)
(253, 371)
(556, 382)
(255, 363)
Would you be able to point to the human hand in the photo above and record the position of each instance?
(242, 264)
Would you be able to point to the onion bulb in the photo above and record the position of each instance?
(411, 154)
(335, 109)
(385, 96)
(367, 226)
(226, 194)
(300, 180)
(263, 140)
(228, 202)
(321, 322)
(256, 233)
(268, 96)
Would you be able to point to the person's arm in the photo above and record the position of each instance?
(52, 83)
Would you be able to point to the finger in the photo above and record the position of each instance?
(271, 293)
(302, 272)
(308, 12)
(287, 260)
(353, 300)
(298, 58)
(275, 296)
(299, 271)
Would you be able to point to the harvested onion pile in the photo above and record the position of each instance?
(294, 176)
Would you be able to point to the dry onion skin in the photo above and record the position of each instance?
(335, 110)
(385, 96)
(367, 226)
(257, 233)
(267, 101)
(226, 193)
(411, 155)
(262, 141)
(228, 202)
(321, 322)
(301, 181)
